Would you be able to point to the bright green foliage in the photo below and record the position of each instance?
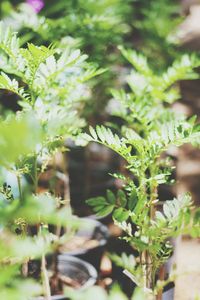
(15, 250)
(16, 215)
(96, 24)
(97, 27)
(154, 23)
(50, 85)
(42, 76)
(150, 127)
(15, 134)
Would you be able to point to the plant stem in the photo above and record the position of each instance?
(35, 176)
(45, 278)
(161, 277)
(24, 269)
(20, 188)
(47, 290)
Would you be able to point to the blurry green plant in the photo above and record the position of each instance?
(150, 128)
(154, 24)
(97, 27)
(16, 215)
(100, 294)
(50, 84)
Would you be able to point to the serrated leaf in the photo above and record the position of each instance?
(100, 133)
(166, 209)
(160, 216)
(93, 133)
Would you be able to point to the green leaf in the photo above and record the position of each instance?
(106, 210)
(197, 216)
(16, 140)
(96, 201)
(93, 133)
(122, 198)
(133, 198)
(100, 133)
(97, 208)
(120, 214)
(110, 197)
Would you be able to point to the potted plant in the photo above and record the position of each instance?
(150, 127)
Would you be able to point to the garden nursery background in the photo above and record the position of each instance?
(99, 150)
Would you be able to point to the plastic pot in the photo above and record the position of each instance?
(76, 269)
(168, 293)
(92, 230)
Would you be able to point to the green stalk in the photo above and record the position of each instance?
(24, 269)
(45, 278)
(46, 285)
(35, 175)
(153, 196)
(19, 188)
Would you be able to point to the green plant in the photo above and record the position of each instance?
(154, 24)
(100, 294)
(41, 77)
(150, 127)
(17, 215)
(97, 27)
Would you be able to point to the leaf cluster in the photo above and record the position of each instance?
(40, 76)
(150, 128)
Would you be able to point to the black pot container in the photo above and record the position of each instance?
(76, 269)
(168, 293)
(92, 230)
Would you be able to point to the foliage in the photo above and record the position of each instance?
(15, 216)
(100, 294)
(95, 24)
(154, 23)
(150, 127)
(40, 76)
(14, 134)
(97, 27)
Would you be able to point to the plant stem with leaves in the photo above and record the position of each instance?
(150, 127)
